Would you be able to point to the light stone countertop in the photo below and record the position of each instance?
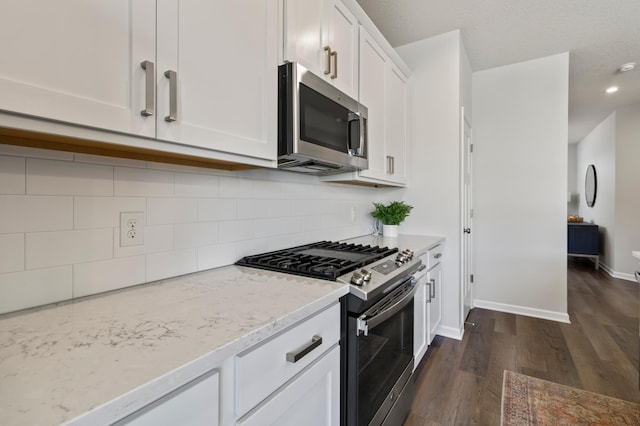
(108, 355)
(636, 254)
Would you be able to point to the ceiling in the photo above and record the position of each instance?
(599, 34)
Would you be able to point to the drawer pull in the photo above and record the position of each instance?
(297, 356)
(432, 289)
(437, 256)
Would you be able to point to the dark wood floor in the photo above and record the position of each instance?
(460, 382)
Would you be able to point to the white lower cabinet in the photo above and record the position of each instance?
(193, 404)
(291, 378)
(421, 318)
(311, 399)
(427, 302)
(434, 285)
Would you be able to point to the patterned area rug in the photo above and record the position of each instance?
(530, 401)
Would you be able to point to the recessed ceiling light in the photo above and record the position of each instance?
(627, 67)
(612, 89)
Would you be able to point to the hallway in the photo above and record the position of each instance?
(460, 382)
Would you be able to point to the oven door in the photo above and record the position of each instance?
(380, 351)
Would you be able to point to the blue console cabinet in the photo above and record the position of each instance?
(584, 241)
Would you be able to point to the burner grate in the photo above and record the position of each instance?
(325, 259)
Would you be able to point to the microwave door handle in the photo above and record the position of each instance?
(362, 135)
(356, 116)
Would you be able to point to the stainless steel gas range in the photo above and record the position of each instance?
(377, 322)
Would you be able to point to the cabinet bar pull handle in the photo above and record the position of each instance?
(432, 288)
(437, 256)
(173, 95)
(149, 88)
(297, 356)
(393, 164)
(327, 70)
(389, 164)
(429, 291)
(335, 64)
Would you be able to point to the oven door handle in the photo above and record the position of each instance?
(364, 323)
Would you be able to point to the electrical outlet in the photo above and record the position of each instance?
(131, 229)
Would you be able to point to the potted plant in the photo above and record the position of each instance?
(391, 215)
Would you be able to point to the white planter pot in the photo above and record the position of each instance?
(389, 230)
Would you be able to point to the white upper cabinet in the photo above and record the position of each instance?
(78, 61)
(396, 142)
(383, 90)
(201, 74)
(373, 88)
(217, 75)
(323, 37)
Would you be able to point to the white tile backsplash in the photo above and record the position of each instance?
(196, 234)
(26, 289)
(67, 243)
(130, 182)
(51, 177)
(105, 275)
(104, 212)
(12, 176)
(196, 185)
(20, 213)
(217, 255)
(217, 209)
(236, 230)
(11, 252)
(44, 249)
(171, 210)
(171, 263)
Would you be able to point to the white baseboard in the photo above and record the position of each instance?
(620, 275)
(450, 332)
(523, 310)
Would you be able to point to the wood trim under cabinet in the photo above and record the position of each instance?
(32, 139)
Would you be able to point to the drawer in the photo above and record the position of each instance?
(263, 369)
(434, 256)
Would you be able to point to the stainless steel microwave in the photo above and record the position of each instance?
(321, 130)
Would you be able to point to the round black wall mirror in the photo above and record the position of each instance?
(590, 185)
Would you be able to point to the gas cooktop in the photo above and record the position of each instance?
(325, 260)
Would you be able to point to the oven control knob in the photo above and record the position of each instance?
(408, 253)
(401, 258)
(366, 275)
(357, 278)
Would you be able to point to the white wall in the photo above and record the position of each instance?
(599, 148)
(627, 234)
(434, 179)
(572, 184)
(520, 150)
(59, 220)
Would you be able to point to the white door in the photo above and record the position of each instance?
(303, 35)
(396, 143)
(341, 36)
(373, 95)
(221, 57)
(79, 61)
(467, 217)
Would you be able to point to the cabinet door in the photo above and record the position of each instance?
(224, 55)
(193, 404)
(396, 146)
(78, 61)
(373, 62)
(434, 277)
(303, 35)
(341, 35)
(420, 326)
(311, 399)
